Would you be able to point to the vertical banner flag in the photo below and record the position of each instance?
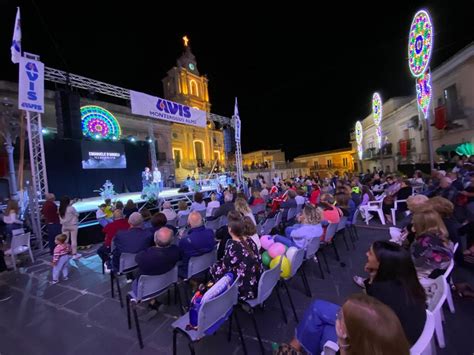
(31, 85)
(16, 41)
(237, 121)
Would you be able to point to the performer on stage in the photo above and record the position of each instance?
(157, 179)
(147, 177)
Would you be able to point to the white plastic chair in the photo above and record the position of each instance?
(20, 244)
(394, 210)
(373, 206)
(435, 305)
(449, 295)
(423, 345)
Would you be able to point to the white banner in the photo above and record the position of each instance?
(156, 107)
(237, 129)
(31, 85)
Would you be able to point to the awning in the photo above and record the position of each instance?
(465, 148)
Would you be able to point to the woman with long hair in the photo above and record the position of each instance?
(242, 206)
(393, 281)
(11, 217)
(241, 258)
(367, 326)
(68, 217)
(431, 250)
(362, 326)
(308, 227)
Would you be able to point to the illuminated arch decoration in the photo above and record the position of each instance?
(360, 151)
(358, 132)
(97, 122)
(377, 115)
(423, 92)
(420, 43)
(377, 108)
(359, 135)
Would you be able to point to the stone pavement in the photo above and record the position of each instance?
(78, 316)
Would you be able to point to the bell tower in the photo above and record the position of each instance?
(195, 149)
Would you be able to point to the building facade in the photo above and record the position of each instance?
(194, 149)
(404, 129)
(325, 163)
(265, 158)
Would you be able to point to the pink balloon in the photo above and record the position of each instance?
(276, 249)
(266, 241)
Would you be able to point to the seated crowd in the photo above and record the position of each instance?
(389, 318)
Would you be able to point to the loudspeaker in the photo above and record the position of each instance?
(68, 114)
(229, 140)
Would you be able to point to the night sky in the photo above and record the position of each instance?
(303, 77)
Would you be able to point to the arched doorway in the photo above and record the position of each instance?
(199, 153)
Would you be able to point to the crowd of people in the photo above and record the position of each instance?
(437, 211)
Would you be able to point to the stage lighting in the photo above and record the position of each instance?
(114, 138)
(44, 131)
(149, 140)
(97, 136)
(132, 139)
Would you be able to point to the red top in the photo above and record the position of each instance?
(314, 196)
(50, 212)
(111, 229)
(257, 201)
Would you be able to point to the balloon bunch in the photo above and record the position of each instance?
(274, 251)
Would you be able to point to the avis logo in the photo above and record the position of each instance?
(32, 73)
(173, 108)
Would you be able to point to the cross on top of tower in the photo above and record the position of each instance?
(186, 41)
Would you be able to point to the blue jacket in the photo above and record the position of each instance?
(157, 261)
(132, 240)
(199, 241)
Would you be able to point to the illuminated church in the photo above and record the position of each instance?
(192, 147)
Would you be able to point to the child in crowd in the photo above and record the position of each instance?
(61, 258)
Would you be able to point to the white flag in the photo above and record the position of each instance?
(236, 109)
(16, 42)
(237, 122)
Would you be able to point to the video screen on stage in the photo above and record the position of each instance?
(103, 155)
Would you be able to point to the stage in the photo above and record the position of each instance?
(88, 205)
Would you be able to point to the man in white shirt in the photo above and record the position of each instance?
(157, 179)
(276, 179)
(300, 200)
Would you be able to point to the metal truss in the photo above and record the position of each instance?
(39, 183)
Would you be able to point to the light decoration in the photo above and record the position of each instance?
(360, 151)
(359, 136)
(420, 43)
(99, 123)
(423, 92)
(377, 115)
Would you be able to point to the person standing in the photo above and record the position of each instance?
(147, 177)
(157, 179)
(68, 218)
(61, 258)
(51, 218)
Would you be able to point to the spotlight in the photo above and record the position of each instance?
(97, 136)
(114, 138)
(44, 131)
(132, 138)
(149, 140)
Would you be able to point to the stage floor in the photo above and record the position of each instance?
(92, 203)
